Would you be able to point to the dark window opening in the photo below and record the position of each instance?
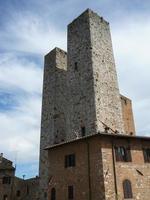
(123, 154)
(53, 194)
(18, 194)
(70, 160)
(146, 153)
(127, 189)
(76, 66)
(45, 195)
(70, 192)
(5, 197)
(27, 189)
(131, 133)
(83, 130)
(125, 101)
(7, 180)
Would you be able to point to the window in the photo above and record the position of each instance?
(5, 197)
(76, 66)
(127, 189)
(70, 192)
(27, 189)
(18, 194)
(83, 131)
(6, 180)
(45, 195)
(53, 194)
(146, 153)
(70, 160)
(123, 154)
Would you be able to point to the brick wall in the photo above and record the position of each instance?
(97, 175)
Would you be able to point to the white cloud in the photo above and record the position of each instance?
(19, 73)
(30, 33)
(20, 130)
(131, 45)
(20, 126)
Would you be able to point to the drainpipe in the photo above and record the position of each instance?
(89, 169)
(114, 171)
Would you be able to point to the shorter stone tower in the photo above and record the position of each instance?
(54, 107)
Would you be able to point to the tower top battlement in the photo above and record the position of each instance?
(90, 13)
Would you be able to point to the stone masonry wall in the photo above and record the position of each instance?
(107, 97)
(80, 77)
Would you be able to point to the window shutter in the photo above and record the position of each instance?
(117, 154)
(66, 161)
(129, 158)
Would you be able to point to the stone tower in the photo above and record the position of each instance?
(54, 103)
(94, 94)
(80, 91)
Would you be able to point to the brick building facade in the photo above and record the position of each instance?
(100, 167)
(14, 188)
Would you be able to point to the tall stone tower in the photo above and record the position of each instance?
(94, 94)
(80, 92)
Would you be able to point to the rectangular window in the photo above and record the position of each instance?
(7, 180)
(76, 66)
(70, 160)
(146, 153)
(83, 131)
(18, 194)
(123, 154)
(70, 192)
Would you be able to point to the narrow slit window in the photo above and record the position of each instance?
(83, 131)
(76, 66)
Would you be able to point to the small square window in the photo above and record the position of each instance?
(70, 160)
(7, 180)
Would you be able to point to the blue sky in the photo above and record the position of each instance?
(30, 29)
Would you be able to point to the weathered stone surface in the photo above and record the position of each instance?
(94, 93)
(54, 107)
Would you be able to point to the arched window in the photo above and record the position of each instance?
(127, 189)
(53, 194)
